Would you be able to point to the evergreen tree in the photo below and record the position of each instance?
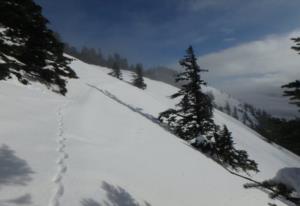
(212, 98)
(132, 67)
(116, 71)
(220, 108)
(193, 114)
(117, 58)
(192, 120)
(110, 61)
(223, 148)
(100, 57)
(293, 91)
(138, 79)
(28, 49)
(71, 50)
(227, 108)
(124, 64)
(223, 144)
(245, 117)
(235, 113)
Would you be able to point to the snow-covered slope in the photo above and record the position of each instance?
(233, 107)
(223, 101)
(101, 146)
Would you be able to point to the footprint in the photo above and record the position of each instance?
(61, 148)
(61, 165)
(63, 169)
(60, 161)
(57, 179)
(66, 156)
(60, 190)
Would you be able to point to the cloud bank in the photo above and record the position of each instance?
(255, 71)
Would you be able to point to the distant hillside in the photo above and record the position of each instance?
(162, 74)
(223, 101)
(274, 129)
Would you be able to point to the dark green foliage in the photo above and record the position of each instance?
(221, 148)
(278, 130)
(193, 114)
(124, 64)
(116, 71)
(281, 131)
(88, 55)
(191, 120)
(92, 56)
(245, 118)
(34, 53)
(223, 143)
(220, 108)
(163, 74)
(227, 108)
(297, 47)
(273, 129)
(293, 91)
(240, 160)
(235, 113)
(96, 57)
(110, 61)
(138, 77)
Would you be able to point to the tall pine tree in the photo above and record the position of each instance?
(116, 71)
(138, 77)
(193, 114)
(192, 119)
(28, 49)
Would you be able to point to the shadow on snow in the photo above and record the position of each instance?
(116, 196)
(13, 170)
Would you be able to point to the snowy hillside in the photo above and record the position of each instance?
(101, 146)
(223, 101)
(232, 106)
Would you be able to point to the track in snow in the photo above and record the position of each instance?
(61, 162)
(132, 108)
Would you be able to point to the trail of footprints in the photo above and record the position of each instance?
(61, 162)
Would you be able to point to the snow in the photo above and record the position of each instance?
(101, 145)
(221, 99)
(11, 59)
(289, 177)
(8, 40)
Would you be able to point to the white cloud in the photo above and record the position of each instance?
(255, 71)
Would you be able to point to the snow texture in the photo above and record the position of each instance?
(102, 146)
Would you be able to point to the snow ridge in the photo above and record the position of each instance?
(137, 110)
(61, 162)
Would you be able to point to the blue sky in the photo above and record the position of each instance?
(244, 43)
(157, 31)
